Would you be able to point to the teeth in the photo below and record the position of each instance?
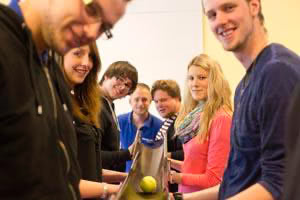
(226, 33)
(81, 71)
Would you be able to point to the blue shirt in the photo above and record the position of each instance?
(257, 153)
(14, 4)
(128, 131)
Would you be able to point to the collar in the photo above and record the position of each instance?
(14, 5)
(147, 122)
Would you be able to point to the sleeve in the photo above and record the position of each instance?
(118, 159)
(293, 125)
(87, 152)
(276, 94)
(291, 185)
(177, 155)
(174, 144)
(217, 156)
(112, 157)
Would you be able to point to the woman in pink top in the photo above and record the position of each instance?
(203, 126)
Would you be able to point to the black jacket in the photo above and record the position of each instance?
(112, 157)
(174, 144)
(88, 137)
(38, 158)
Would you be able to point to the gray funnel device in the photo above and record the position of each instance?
(149, 160)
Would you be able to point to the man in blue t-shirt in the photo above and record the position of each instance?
(139, 118)
(257, 156)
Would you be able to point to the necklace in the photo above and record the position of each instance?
(113, 114)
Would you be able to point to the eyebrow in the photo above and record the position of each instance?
(81, 49)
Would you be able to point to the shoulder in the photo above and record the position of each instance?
(221, 120)
(124, 117)
(278, 62)
(11, 30)
(222, 114)
(156, 120)
(277, 71)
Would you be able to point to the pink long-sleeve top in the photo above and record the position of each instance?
(204, 163)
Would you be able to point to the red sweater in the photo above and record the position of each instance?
(204, 164)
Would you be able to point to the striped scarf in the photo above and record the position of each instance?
(164, 128)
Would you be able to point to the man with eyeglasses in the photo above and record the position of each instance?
(118, 81)
(38, 142)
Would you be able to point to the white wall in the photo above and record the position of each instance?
(159, 38)
(4, 1)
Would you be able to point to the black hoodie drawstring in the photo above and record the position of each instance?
(32, 77)
(52, 62)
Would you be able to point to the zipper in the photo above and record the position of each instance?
(52, 91)
(61, 144)
(72, 191)
(64, 149)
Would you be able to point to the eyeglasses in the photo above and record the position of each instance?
(121, 82)
(95, 12)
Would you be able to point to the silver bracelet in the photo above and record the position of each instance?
(105, 189)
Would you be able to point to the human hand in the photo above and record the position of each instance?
(169, 155)
(133, 149)
(174, 177)
(171, 197)
(113, 189)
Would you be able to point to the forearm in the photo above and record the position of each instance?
(256, 191)
(115, 160)
(208, 194)
(202, 181)
(91, 189)
(176, 164)
(113, 176)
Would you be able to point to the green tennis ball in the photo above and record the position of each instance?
(148, 184)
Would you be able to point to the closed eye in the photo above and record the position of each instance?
(229, 7)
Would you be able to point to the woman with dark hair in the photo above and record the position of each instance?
(81, 67)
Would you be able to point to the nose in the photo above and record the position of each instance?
(86, 33)
(86, 61)
(194, 82)
(140, 103)
(92, 31)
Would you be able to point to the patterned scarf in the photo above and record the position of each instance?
(189, 127)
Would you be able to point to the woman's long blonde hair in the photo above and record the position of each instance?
(218, 91)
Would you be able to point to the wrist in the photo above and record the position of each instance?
(104, 190)
(178, 196)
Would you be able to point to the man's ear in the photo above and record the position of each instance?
(254, 7)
